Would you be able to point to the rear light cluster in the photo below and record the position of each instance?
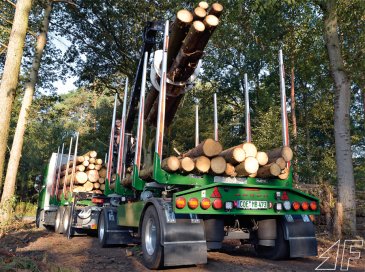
(305, 206)
(194, 203)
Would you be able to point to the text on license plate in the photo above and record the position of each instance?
(251, 204)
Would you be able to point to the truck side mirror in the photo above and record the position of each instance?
(38, 183)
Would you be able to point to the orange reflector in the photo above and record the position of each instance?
(94, 226)
(217, 204)
(180, 202)
(205, 203)
(97, 200)
(296, 206)
(313, 205)
(193, 203)
(305, 206)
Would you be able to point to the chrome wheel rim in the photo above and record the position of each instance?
(66, 220)
(151, 236)
(101, 230)
(57, 223)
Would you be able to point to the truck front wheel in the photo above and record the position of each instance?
(151, 239)
(101, 230)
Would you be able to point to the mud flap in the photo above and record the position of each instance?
(115, 235)
(183, 236)
(300, 233)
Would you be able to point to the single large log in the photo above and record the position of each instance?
(96, 185)
(199, 14)
(92, 160)
(203, 5)
(99, 161)
(216, 10)
(269, 170)
(285, 152)
(218, 165)
(208, 148)
(86, 163)
(98, 167)
(234, 155)
(186, 165)
(202, 164)
(102, 172)
(92, 175)
(170, 164)
(179, 30)
(88, 186)
(250, 149)
(262, 158)
(281, 162)
(230, 171)
(91, 154)
(91, 166)
(284, 174)
(80, 177)
(249, 166)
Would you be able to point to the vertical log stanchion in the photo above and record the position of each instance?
(111, 142)
(121, 163)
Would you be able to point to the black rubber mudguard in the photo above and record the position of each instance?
(183, 236)
(300, 232)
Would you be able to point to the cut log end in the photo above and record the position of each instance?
(251, 165)
(170, 164)
(284, 174)
(217, 7)
(185, 16)
(218, 165)
(203, 5)
(187, 164)
(230, 171)
(200, 13)
(262, 158)
(199, 26)
(211, 21)
(250, 149)
(202, 164)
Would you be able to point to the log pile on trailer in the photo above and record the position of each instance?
(87, 175)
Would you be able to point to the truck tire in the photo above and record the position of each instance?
(38, 222)
(151, 239)
(277, 252)
(102, 233)
(67, 220)
(59, 228)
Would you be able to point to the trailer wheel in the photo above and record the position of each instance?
(67, 221)
(59, 228)
(277, 252)
(151, 239)
(38, 222)
(102, 234)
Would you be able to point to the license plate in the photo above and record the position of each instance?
(251, 205)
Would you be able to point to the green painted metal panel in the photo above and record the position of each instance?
(236, 192)
(137, 183)
(120, 189)
(130, 213)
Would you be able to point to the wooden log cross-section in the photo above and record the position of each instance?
(249, 166)
(208, 148)
(170, 164)
(186, 165)
(234, 155)
(285, 152)
(202, 164)
(218, 165)
(269, 171)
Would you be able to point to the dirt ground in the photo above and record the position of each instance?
(31, 249)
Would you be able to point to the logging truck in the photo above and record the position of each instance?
(180, 206)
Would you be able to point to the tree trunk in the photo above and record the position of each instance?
(9, 80)
(345, 175)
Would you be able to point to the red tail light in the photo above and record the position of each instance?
(217, 204)
(296, 206)
(305, 206)
(205, 203)
(193, 203)
(180, 202)
(313, 205)
(97, 200)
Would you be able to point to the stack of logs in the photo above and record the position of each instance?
(189, 35)
(242, 161)
(89, 174)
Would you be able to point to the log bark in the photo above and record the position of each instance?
(202, 164)
(269, 171)
(92, 175)
(170, 164)
(262, 158)
(186, 165)
(230, 170)
(146, 173)
(234, 155)
(127, 181)
(216, 10)
(208, 148)
(179, 30)
(250, 149)
(285, 152)
(218, 165)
